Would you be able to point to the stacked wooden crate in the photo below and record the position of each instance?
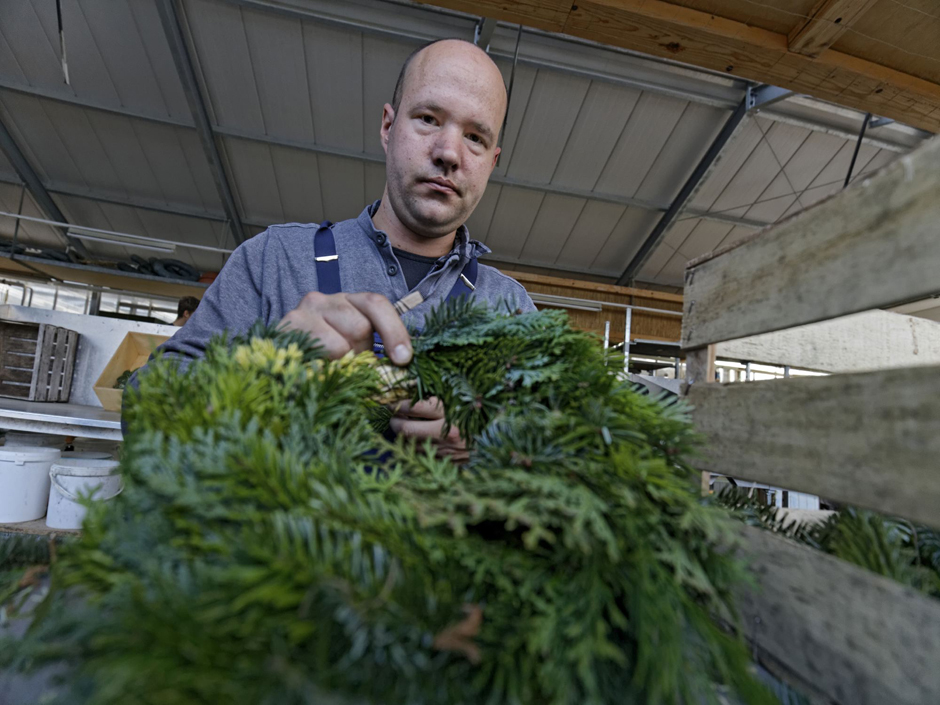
(870, 439)
(36, 361)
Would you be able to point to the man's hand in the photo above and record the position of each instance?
(425, 419)
(345, 322)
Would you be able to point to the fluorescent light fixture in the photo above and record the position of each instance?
(123, 240)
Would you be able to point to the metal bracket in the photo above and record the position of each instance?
(759, 97)
(483, 32)
(879, 122)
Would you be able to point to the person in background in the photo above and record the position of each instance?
(186, 308)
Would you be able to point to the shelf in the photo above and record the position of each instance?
(60, 419)
(35, 528)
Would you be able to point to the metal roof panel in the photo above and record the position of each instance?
(513, 219)
(479, 221)
(381, 62)
(280, 69)
(556, 218)
(625, 240)
(549, 118)
(224, 58)
(336, 93)
(695, 131)
(298, 182)
(589, 234)
(604, 113)
(646, 132)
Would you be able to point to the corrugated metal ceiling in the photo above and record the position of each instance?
(598, 142)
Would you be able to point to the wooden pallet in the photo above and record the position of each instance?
(867, 439)
(36, 361)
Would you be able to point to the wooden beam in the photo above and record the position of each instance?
(674, 32)
(549, 15)
(828, 21)
(527, 278)
(839, 630)
(867, 439)
(873, 245)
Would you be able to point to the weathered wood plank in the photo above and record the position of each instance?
(873, 245)
(862, 342)
(549, 15)
(827, 21)
(856, 637)
(868, 439)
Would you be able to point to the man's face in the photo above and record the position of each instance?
(441, 143)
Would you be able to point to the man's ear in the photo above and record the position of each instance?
(388, 117)
(496, 157)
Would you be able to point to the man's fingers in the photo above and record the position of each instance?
(386, 322)
(411, 428)
(424, 409)
(351, 324)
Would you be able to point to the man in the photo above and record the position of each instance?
(440, 136)
(185, 309)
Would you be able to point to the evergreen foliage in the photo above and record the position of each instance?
(263, 552)
(894, 548)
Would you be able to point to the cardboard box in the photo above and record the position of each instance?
(132, 353)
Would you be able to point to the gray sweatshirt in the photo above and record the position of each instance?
(267, 276)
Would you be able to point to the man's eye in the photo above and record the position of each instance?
(475, 138)
(427, 119)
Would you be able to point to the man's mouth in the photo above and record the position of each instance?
(442, 185)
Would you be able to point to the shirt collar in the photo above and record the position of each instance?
(464, 247)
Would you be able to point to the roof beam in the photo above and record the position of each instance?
(34, 185)
(703, 39)
(173, 30)
(688, 188)
(827, 21)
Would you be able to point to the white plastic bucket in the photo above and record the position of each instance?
(71, 478)
(34, 440)
(86, 455)
(24, 482)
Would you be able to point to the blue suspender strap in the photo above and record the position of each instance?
(324, 250)
(467, 280)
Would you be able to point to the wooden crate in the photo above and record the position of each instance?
(869, 439)
(36, 361)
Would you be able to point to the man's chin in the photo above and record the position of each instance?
(435, 222)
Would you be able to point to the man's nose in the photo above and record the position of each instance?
(446, 151)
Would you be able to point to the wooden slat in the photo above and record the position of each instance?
(827, 21)
(876, 244)
(837, 629)
(16, 374)
(868, 439)
(700, 369)
(19, 345)
(15, 390)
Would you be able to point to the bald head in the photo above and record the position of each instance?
(458, 49)
(441, 140)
